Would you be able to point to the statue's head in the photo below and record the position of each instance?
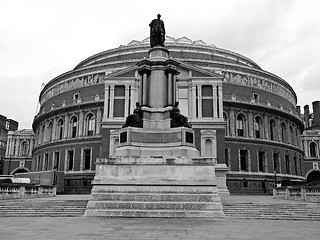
(159, 16)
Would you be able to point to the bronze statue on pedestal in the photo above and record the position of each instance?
(157, 32)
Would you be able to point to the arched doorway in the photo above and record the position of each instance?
(314, 176)
(19, 170)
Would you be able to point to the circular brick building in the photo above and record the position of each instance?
(258, 139)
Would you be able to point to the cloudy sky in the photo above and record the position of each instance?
(41, 39)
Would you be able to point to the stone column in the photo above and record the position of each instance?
(30, 146)
(45, 137)
(111, 101)
(289, 135)
(8, 146)
(126, 101)
(65, 126)
(54, 129)
(144, 89)
(157, 97)
(232, 122)
(170, 89)
(306, 149)
(220, 101)
(215, 102)
(266, 127)
(106, 101)
(250, 124)
(81, 123)
(175, 89)
(278, 127)
(194, 101)
(133, 98)
(98, 121)
(199, 101)
(12, 146)
(17, 143)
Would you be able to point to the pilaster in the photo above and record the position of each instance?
(215, 103)
(232, 122)
(98, 127)
(111, 101)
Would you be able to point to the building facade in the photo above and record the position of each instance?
(18, 158)
(259, 139)
(311, 142)
(6, 125)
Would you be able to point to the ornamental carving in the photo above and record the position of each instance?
(72, 84)
(264, 84)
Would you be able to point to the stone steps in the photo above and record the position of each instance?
(157, 213)
(176, 197)
(42, 208)
(154, 205)
(272, 211)
(155, 201)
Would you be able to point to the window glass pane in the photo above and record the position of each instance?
(207, 108)
(207, 91)
(243, 160)
(70, 156)
(119, 91)
(87, 159)
(118, 108)
(261, 156)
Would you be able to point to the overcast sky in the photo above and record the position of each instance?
(41, 39)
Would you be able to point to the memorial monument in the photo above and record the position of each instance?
(157, 171)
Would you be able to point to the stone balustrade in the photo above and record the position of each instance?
(308, 193)
(20, 191)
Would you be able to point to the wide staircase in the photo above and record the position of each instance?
(269, 209)
(155, 201)
(234, 207)
(37, 207)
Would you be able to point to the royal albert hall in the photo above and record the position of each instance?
(257, 127)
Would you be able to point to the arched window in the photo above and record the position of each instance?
(74, 126)
(226, 120)
(313, 149)
(272, 129)
(25, 148)
(257, 127)
(90, 125)
(283, 132)
(42, 133)
(240, 125)
(291, 138)
(60, 129)
(208, 148)
(49, 136)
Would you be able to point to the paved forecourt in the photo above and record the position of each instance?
(124, 228)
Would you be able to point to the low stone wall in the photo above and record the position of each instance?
(8, 191)
(307, 194)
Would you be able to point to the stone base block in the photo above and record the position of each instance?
(157, 151)
(176, 171)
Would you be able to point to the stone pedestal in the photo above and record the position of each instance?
(155, 187)
(157, 171)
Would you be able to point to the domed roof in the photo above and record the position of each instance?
(135, 49)
(170, 40)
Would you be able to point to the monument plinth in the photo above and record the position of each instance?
(157, 171)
